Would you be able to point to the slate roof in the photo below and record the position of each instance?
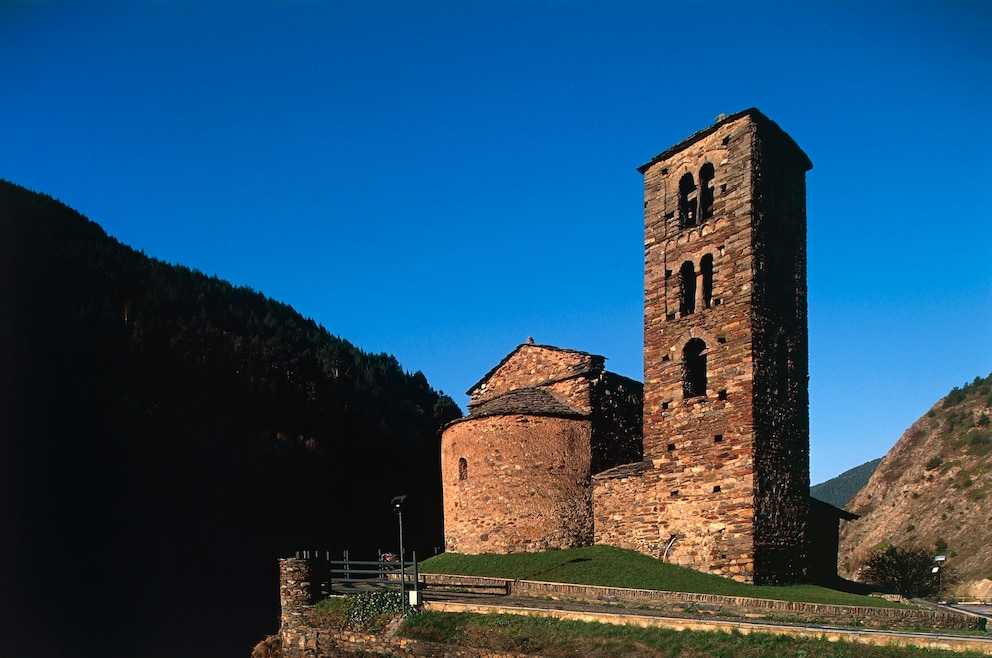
(753, 112)
(635, 469)
(529, 401)
(830, 511)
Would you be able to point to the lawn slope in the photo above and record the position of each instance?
(615, 567)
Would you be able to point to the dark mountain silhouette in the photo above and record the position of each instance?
(838, 490)
(167, 436)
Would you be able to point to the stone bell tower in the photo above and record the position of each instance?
(724, 484)
(726, 401)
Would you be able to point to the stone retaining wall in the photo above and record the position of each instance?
(752, 607)
(323, 643)
(733, 606)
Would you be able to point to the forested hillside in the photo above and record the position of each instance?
(166, 436)
(838, 490)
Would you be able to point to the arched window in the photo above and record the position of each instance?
(687, 201)
(706, 270)
(694, 368)
(462, 469)
(687, 288)
(706, 175)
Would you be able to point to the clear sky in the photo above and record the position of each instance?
(441, 180)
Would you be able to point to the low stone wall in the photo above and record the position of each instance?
(475, 584)
(299, 592)
(741, 606)
(315, 642)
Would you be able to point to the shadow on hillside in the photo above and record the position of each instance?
(848, 586)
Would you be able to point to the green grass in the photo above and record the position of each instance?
(562, 638)
(615, 567)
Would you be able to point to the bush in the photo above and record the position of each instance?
(368, 609)
(906, 571)
(979, 442)
(365, 612)
(956, 396)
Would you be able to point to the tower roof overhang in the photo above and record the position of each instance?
(752, 112)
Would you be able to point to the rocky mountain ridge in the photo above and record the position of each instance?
(934, 490)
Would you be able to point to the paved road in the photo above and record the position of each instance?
(984, 610)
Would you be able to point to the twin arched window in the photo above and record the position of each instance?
(696, 204)
(687, 285)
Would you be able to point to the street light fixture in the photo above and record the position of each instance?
(939, 559)
(397, 505)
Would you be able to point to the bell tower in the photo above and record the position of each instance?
(726, 402)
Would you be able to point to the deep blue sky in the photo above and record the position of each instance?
(441, 180)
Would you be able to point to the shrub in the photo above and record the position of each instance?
(934, 462)
(369, 609)
(366, 611)
(907, 571)
(957, 420)
(954, 397)
(979, 442)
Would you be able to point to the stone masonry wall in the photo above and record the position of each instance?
(699, 492)
(635, 507)
(524, 487)
(299, 591)
(779, 319)
(533, 365)
(518, 479)
(616, 421)
(709, 462)
(743, 606)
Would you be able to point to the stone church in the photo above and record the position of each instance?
(707, 464)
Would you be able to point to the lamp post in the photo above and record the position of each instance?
(397, 505)
(939, 559)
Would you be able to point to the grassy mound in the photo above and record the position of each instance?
(615, 567)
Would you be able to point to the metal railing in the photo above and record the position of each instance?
(347, 576)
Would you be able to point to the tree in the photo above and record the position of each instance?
(908, 571)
